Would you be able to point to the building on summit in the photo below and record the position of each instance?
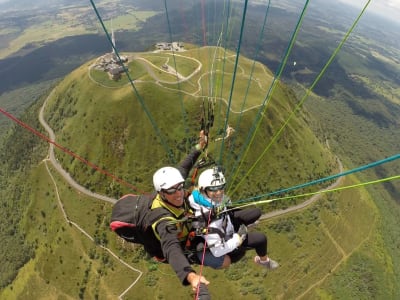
(110, 63)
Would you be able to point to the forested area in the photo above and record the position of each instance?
(18, 154)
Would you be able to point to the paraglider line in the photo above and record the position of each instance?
(319, 192)
(139, 97)
(355, 170)
(67, 151)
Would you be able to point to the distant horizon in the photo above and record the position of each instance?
(388, 9)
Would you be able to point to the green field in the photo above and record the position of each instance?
(336, 236)
(56, 242)
(68, 21)
(317, 248)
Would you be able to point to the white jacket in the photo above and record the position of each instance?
(223, 242)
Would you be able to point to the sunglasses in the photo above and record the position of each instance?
(215, 188)
(173, 190)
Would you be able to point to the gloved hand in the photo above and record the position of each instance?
(218, 210)
(237, 239)
(203, 140)
(242, 232)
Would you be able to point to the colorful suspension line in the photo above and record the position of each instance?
(298, 106)
(136, 92)
(203, 256)
(69, 152)
(234, 77)
(224, 44)
(258, 48)
(355, 170)
(184, 112)
(256, 124)
(396, 177)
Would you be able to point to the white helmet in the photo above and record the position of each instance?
(166, 177)
(211, 177)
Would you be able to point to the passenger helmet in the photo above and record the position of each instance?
(210, 178)
(166, 177)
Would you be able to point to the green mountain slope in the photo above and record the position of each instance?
(132, 134)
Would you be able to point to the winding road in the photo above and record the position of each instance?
(55, 162)
(85, 191)
(306, 203)
(51, 157)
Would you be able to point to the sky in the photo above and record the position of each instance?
(389, 9)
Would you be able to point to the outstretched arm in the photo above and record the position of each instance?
(187, 164)
(172, 250)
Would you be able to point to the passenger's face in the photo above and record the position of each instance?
(216, 193)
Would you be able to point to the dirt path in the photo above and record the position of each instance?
(67, 220)
(57, 165)
(306, 203)
(74, 184)
(345, 256)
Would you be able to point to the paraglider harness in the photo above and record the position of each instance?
(133, 219)
(199, 224)
(206, 122)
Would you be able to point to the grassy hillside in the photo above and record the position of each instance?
(346, 246)
(363, 139)
(130, 133)
(333, 249)
(317, 248)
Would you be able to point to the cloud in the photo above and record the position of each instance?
(389, 9)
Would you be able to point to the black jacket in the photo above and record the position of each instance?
(169, 245)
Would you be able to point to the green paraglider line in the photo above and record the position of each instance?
(139, 97)
(318, 181)
(258, 119)
(328, 63)
(358, 185)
